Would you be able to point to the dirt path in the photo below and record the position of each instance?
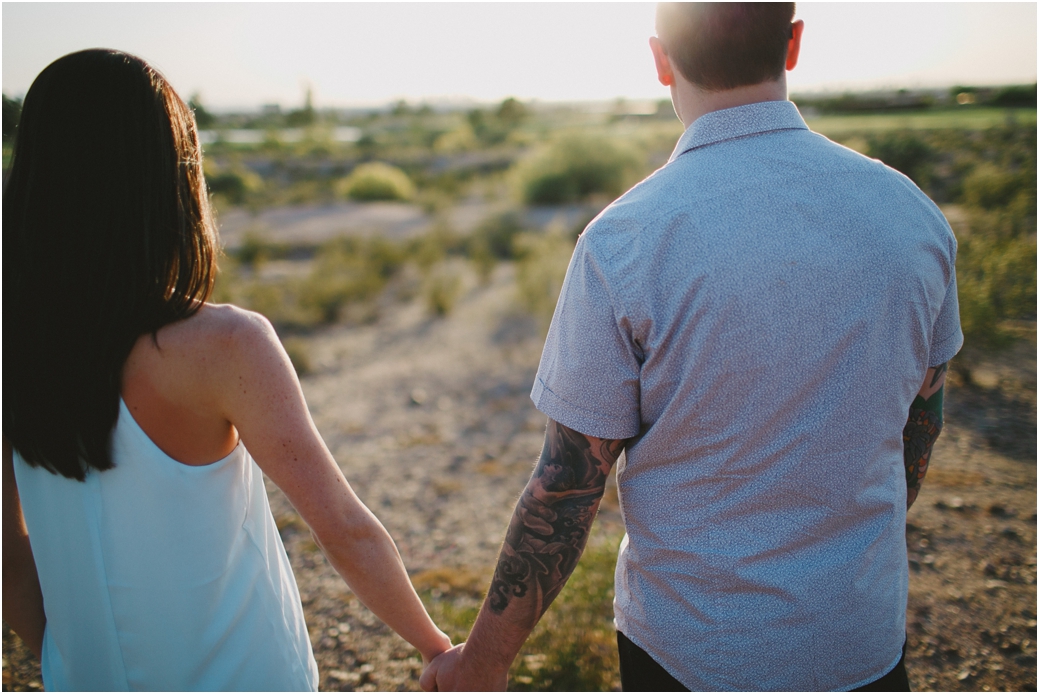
(315, 224)
(432, 423)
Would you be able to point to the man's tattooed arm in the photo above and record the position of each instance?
(546, 536)
(550, 526)
(922, 429)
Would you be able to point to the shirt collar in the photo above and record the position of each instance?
(730, 123)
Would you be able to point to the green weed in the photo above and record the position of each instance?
(299, 355)
(543, 259)
(441, 290)
(348, 270)
(576, 167)
(573, 647)
(377, 181)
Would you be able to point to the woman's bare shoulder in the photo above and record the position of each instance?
(205, 348)
(217, 327)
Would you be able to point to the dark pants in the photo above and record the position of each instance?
(640, 673)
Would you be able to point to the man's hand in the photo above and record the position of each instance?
(546, 537)
(448, 673)
(922, 429)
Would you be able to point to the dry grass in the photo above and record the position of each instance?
(573, 648)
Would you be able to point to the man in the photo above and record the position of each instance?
(751, 324)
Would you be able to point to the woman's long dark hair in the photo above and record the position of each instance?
(107, 236)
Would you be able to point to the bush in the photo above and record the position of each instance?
(996, 263)
(573, 647)
(299, 355)
(442, 287)
(999, 254)
(1003, 201)
(236, 186)
(256, 249)
(996, 278)
(1015, 97)
(435, 245)
(494, 236)
(905, 151)
(377, 181)
(575, 168)
(348, 270)
(274, 300)
(542, 269)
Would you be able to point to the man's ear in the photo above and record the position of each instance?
(663, 63)
(793, 49)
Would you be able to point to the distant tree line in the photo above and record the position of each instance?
(12, 112)
(1013, 96)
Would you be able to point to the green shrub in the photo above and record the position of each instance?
(996, 262)
(990, 188)
(441, 290)
(274, 300)
(299, 355)
(1002, 202)
(377, 181)
(494, 236)
(540, 272)
(997, 279)
(257, 249)
(226, 283)
(905, 151)
(435, 245)
(573, 647)
(12, 112)
(348, 270)
(575, 168)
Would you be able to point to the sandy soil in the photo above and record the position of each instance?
(431, 421)
(315, 224)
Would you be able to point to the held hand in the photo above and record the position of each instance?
(451, 672)
(446, 661)
(443, 644)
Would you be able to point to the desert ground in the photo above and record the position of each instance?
(430, 419)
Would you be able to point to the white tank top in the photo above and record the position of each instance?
(163, 576)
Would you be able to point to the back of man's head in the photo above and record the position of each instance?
(724, 45)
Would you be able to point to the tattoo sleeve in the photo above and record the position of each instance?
(550, 525)
(922, 429)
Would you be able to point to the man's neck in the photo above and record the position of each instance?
(691, 102)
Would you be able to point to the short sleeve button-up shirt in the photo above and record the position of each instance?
(756, 317)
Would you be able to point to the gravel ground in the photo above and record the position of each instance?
(431, 421)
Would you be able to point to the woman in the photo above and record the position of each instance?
(135, 415)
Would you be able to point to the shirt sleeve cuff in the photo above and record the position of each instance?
(579, 419)
(945, 350)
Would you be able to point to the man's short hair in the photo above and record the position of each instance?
(724, 45)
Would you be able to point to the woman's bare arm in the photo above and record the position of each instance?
(23, 599)
(261, 396)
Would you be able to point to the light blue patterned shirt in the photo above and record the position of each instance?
(757, 316)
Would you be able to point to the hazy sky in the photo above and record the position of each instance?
(241, 55)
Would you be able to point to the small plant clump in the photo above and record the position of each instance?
(377, 181)
(575, 168)
(991, 175)
(348, 270)
(543, 260)
(441, 291)
(492, 242)
(299, 355)
(573, 647)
